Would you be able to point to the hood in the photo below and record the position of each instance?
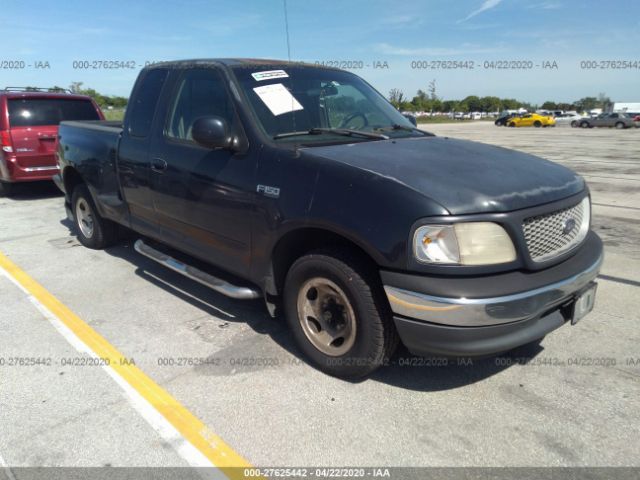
(464, 177)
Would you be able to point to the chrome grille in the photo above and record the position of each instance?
(550, 235)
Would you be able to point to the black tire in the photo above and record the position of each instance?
(512, 125)
(574, 124)
(537, 124)
(584, 125)
(102, 232)
(619, 125)
(374, 337)
(5, 189)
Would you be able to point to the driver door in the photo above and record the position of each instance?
(526, 121)
(203, 198)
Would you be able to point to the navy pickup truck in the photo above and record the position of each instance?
(303, 186)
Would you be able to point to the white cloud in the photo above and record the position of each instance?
(545, 6)
(486, 5)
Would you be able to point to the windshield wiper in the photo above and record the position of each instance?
(346, 132)
(397, 126)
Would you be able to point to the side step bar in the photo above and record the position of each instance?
(221, 286)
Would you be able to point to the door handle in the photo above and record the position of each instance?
(158, 165)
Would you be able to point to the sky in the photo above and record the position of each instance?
(383, 38)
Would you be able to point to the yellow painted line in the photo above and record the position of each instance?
(191, 428)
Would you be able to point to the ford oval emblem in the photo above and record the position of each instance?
(568, 226)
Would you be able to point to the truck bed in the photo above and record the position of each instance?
(90, 148)
(100, 125)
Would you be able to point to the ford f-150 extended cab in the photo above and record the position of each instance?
(29, 121)
(304, 186)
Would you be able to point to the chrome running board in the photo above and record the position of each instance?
(217, 284)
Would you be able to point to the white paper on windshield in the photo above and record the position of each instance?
(278, 99)
(269, 75)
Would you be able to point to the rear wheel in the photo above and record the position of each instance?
(584, 124)
(574, 124)
(511, 124)
(537, 124)
(5, 189)
(619, 125)
(338, 313)
(93, 231)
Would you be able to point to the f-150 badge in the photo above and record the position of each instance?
(267, 191)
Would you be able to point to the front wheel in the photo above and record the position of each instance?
(584, 124)
(93, 231)
(512, 125)
(338, 313)
(537, 124)
(619, 125)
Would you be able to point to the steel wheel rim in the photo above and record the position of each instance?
(326, 316)
(84, 217)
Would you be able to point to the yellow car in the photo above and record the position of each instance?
(532, 120)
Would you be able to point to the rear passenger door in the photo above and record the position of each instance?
(600, 120)
(203, 198)
(133, 152)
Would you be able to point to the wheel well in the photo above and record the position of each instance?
(297, 243)
(71, 180)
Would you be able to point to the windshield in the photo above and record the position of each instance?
(304, 104)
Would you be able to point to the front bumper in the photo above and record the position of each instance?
(488, 314)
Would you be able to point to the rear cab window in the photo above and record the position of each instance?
(30, 112)
(145, 101)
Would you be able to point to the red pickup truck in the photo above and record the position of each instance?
(29, 128)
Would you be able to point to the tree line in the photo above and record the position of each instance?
(104, 101)
(429, 101)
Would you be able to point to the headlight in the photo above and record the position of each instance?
(473, 243)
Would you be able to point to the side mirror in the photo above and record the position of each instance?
(411, 118)
(211, 132)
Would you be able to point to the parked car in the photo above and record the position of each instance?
(568, 119)
(29, 128)
(304, 186)
(617, 120)
(531, 120)
(502, 120)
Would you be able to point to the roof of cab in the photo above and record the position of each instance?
(235, 62)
